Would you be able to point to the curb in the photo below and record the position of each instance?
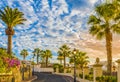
(35, 77)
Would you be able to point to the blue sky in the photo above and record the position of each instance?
(51, 23)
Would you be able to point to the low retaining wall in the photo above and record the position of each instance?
(36, 69)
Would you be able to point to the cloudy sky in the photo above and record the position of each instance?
(51, 23)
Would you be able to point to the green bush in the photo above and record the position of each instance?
(106, 79)
(90, 77)
(86, 76)
(68, 71)
(91, 71)
(61, 68)
(98, 78)
(81, 76)
(55, 66)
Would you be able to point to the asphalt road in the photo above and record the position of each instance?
(48, 77)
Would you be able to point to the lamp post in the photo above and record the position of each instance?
(33, 64)
(114, 71)
(23, 70)
(74, 53)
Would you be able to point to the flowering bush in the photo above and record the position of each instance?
(11, 62)
(6, 64)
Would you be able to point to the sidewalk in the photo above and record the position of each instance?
(69, 74)
(81, 80)
(31, 79)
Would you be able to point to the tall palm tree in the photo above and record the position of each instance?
(46, 55)
(24, 53)
(60, 58)
(64, 51)
(103, 24)
(11, 17)
(36, 52)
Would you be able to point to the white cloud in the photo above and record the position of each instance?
(93, 1)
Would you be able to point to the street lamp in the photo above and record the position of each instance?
(33, 64)
(114, 70)
(23, 70)
(74, 53)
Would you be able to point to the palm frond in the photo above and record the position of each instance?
(106, 11)
(93, 20)
(117, 17)
(116, 28)
(100, 35)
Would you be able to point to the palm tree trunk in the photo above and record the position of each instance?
(64, 61)
(24, 58)
(37, 58)
(109, 51)
(10, 33)
(61, 62)
(46, 61)
(9, 44)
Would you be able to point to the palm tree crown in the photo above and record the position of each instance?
(24, 53)
(11, 17)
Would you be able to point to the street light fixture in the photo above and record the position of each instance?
(74, 53)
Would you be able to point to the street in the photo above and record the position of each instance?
(48, 77)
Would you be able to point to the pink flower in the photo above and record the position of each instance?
(11, 62)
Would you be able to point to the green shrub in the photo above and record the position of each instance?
(55, 66)
(106, 79)
(91, 71)
(68, 71)
(81, 76)
(87, 77)
(90, 77)
(61, 68)
(98, 78)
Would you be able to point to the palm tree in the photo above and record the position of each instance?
(60, 58)
(11, 17)
(64, 51)
(102, 25)
(42, 59)
(33, 55)
(46, 55)
(81, 59)
(36, 53)
(24, 53)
